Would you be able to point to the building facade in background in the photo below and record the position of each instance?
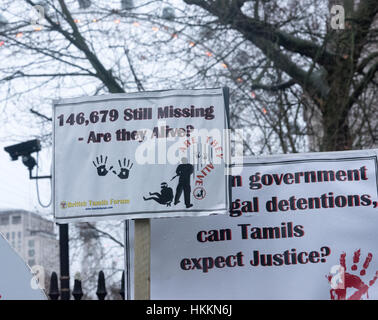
(32, 237)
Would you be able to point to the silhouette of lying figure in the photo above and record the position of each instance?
(164, 197)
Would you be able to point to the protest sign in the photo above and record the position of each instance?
(301, 226)
(140, 155)
(16, 279)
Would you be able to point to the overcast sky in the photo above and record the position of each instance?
(17, 191)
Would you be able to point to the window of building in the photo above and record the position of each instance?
(4, 221)
(31, 262)
(31, 253)
(7, 236)
(31, 243)
(16, 219)
(13, 235)
(19, 234)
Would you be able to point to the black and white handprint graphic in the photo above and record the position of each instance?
(100, 165)
(124, 169)
(102, 170)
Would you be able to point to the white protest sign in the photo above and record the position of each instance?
(141, 155)
(302, 226)
(17, 281)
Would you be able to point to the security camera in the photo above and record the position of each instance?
(29, 162)
(24, 150)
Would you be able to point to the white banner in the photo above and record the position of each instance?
(141, 155)
(17, 282)
(302, 226)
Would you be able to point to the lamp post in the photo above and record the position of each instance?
(64, 262)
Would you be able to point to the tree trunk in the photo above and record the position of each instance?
(336, 133)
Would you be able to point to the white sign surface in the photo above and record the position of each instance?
(302, 226)
(142, 155)
(16, 279)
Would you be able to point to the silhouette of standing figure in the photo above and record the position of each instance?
(184, 171)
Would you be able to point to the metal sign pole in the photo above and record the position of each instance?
(142, 259)
(127, 259)
(64, 262)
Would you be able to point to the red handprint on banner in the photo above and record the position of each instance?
(341, 280)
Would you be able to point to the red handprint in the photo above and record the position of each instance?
(353, 280)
